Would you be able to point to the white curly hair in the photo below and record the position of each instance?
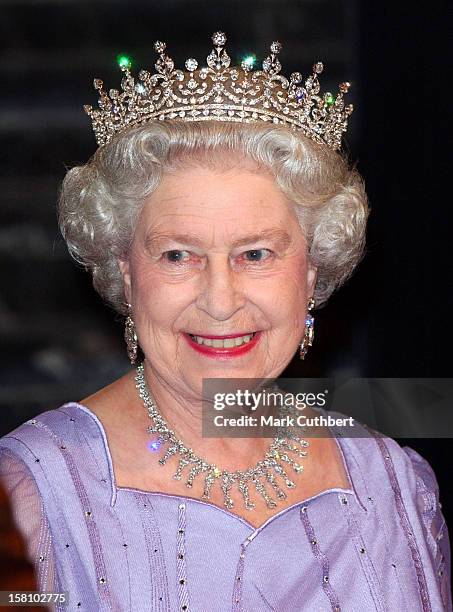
(100, 201)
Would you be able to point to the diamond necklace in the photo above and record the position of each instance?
(265, 471)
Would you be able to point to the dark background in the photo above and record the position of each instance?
(392, 319)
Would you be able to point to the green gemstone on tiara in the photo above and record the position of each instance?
(248, 61)
(329, 99)
(124, 61)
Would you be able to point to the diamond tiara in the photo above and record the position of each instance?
(218, 92)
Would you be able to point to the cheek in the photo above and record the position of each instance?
(282, 298)
(292, 284)
(288, 302)
(158, 301)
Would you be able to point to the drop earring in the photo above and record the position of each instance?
(130, 336)
(309, 332)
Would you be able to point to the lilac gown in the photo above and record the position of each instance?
(381, 544)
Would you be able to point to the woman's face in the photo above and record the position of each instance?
(218, 253)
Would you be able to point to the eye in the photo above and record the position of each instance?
(258, 255)
(175, 256)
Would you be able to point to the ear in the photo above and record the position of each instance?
(125, 273)
(312, 275)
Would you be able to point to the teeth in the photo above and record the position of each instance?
(227, 343)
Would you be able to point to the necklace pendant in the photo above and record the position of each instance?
(226, 485)
(278, 468)
(296, 466)
(243, 488)
(271, 480)
(197, 469)
(193, 472)
(181, 465)
(208, 482)
(270, 503)
(168, 453)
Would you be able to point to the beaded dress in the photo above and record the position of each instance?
(380, 544)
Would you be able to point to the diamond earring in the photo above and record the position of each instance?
(309, 330)
(130, 336)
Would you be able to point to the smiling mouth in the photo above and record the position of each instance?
(225, 341)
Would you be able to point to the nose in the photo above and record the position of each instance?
(221, 295)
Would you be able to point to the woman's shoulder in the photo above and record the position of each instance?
(64, 452)
(378, 457)
(49, 424)
(51, 439)
(398, 478)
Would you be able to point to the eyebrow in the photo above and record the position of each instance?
(278, 235)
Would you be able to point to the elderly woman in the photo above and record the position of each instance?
(216, 212)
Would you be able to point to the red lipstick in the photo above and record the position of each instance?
(223, 352)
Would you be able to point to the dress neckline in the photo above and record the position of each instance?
(187, 499)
